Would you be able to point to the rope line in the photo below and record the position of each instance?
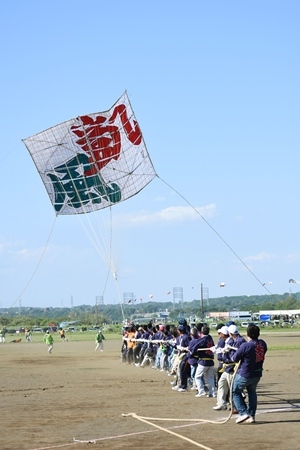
(149, 420)
(143, 419)
(218, 234)
(105, 251)
(38, 264)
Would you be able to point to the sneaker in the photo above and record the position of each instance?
(219, 408)
(194, 388)
(137, 364)
(175, 388)
(242, 418)
(181, 390)
(211, 395)
(250, 420)
(153, 367)
(200, 395)
(172, 383)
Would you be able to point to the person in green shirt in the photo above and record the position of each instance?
(99, 341)
(48, 339)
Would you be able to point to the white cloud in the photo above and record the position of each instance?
(172, 214)
(259, 257)
(293, 257)
(9, 246)
(16, 251)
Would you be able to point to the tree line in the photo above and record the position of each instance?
(111, 313)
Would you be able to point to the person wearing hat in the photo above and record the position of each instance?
(251, 356)
(223, 335)
(99, 341)
(48, 339)
(233, 341)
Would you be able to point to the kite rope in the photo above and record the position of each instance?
(104, 251)
(38, 264)
(145, 420)
(94, 239)
(110, 259)
(149, 420)
(218, 234)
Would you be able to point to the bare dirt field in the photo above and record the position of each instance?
(48, 400)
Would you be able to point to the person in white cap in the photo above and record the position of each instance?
(99, 341)
(234, 341)
(223, 335)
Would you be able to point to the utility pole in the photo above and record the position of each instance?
(201, 297)
(97, 302)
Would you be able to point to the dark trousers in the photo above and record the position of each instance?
(185, 372)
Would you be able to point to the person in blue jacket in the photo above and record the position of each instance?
(251, 356)
(205, 369)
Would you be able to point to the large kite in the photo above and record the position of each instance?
(92, 161)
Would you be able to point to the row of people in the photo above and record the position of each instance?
(28, 335)
(188, 354)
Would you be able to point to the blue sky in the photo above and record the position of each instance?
(215, 89)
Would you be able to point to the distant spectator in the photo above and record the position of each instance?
(48, 339)
(62, 334)
(2, 335)
(99, 341)
(28, 335)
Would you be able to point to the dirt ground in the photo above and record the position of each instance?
(48, 400)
